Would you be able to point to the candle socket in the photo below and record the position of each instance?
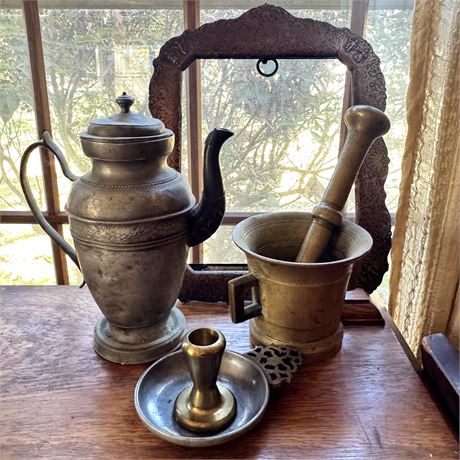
(205, 405)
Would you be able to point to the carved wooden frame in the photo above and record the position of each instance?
(271, 32)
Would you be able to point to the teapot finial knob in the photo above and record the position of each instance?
(125, 101)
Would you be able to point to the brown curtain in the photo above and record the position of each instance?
(425, 256)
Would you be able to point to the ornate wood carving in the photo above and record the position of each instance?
(271, 32)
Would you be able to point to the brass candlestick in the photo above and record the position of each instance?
(206, 405)
(364, 124)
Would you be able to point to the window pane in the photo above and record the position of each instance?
(90, 61)
(25, 255)
(220, 249)
(17, 120)
(287, 130)
(389, 32)
(287, 127)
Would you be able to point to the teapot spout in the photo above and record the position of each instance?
(207, 215)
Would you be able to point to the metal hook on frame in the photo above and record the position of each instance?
(264, 61)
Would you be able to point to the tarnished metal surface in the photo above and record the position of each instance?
(132, 218)
(157, 388)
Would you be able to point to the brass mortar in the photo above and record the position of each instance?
(294, 304)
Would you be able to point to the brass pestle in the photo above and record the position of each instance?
(204, 406)
(364, 124)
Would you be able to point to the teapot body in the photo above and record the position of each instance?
(132, 219)
(129, 221)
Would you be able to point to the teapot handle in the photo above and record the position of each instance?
(48, 143)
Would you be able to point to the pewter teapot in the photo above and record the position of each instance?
(132, 219)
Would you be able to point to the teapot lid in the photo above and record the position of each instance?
(126, 136)
(125, 124)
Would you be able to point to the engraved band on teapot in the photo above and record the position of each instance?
(128, 233)
(131, 246)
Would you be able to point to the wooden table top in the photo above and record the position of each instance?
(58, 399)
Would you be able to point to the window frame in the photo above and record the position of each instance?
(191, 10)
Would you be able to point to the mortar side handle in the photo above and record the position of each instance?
(236, 293)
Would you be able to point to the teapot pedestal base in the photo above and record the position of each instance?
(138, 345)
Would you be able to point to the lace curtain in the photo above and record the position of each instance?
(425, 256)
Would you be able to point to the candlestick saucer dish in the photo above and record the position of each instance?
(159, 386)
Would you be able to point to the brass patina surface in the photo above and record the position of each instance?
(364, 124)
(206, 405)
(294, 304)
(133, 218)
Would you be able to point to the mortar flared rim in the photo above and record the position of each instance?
(243, 228)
